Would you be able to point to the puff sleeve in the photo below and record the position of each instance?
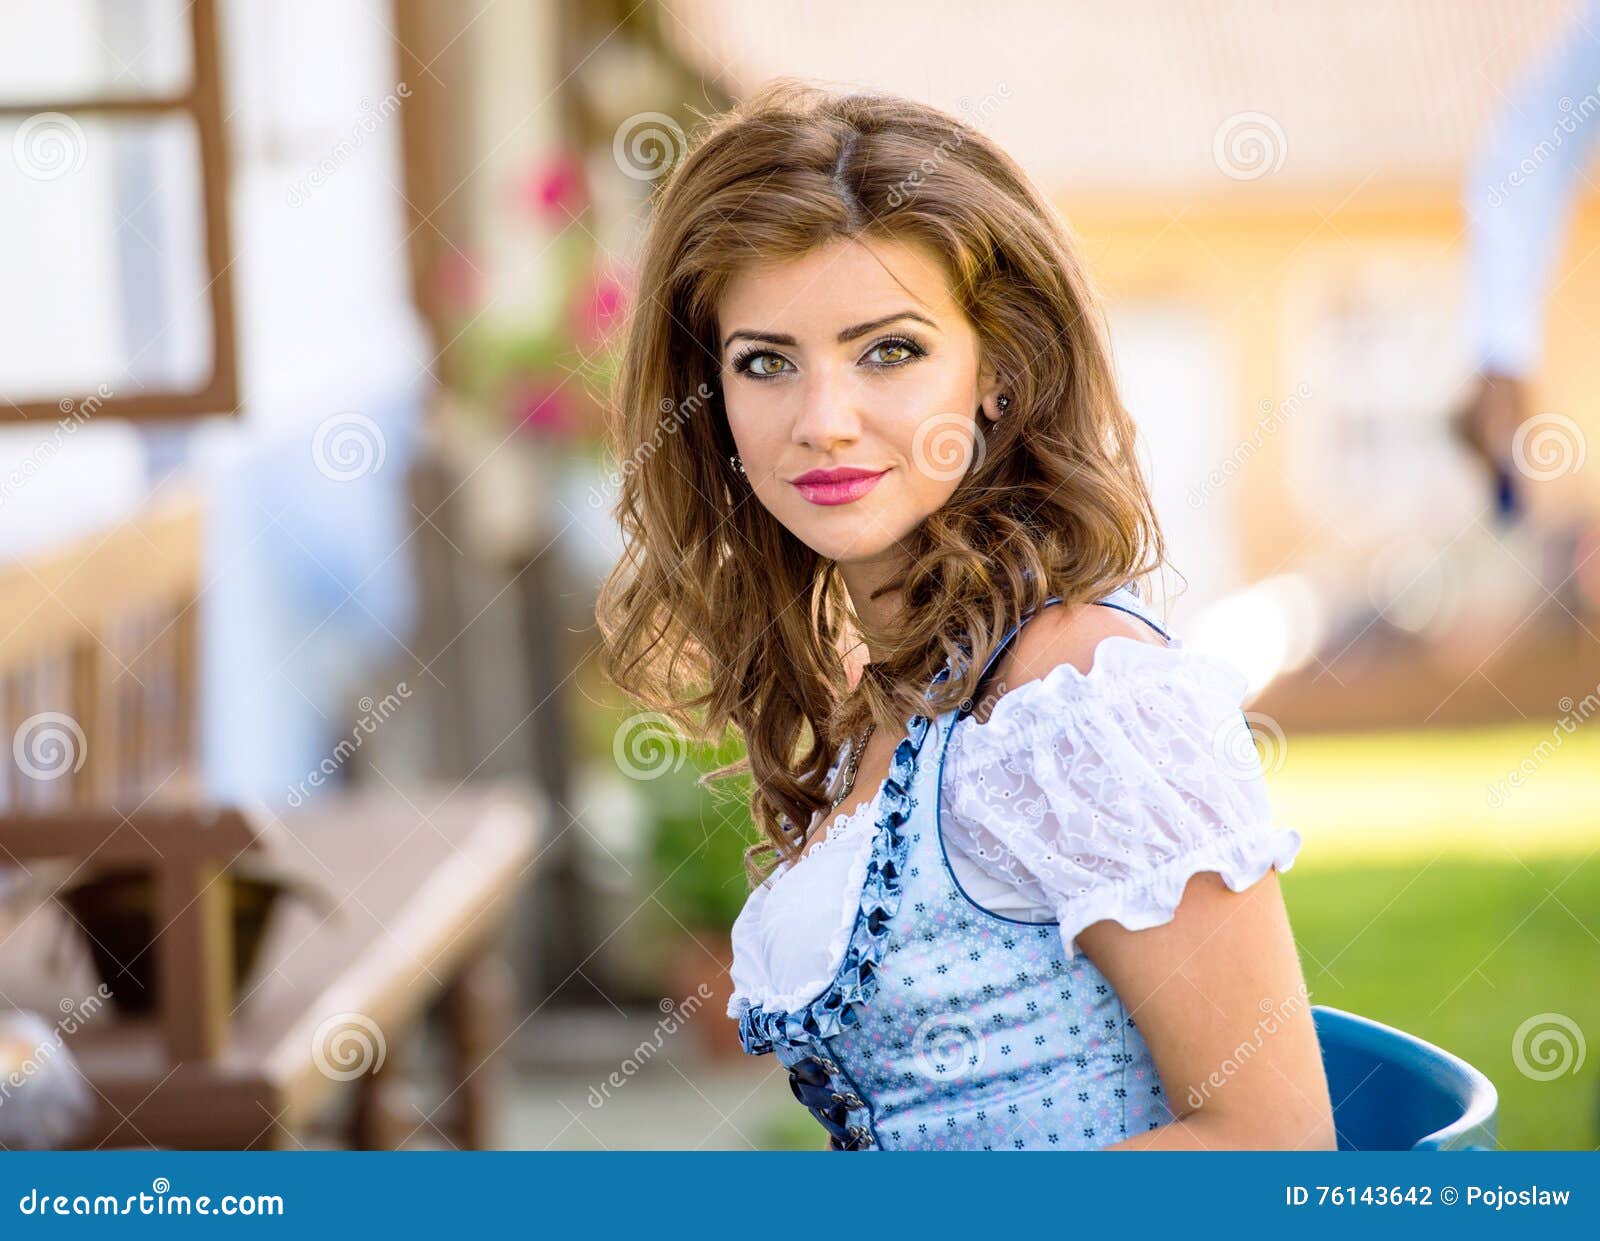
(1101, 794)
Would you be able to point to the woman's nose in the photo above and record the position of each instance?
(828, 414)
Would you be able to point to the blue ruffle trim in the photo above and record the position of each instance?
(760, 1029)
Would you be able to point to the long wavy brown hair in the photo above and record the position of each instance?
(716, 613)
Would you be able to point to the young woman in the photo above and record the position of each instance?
(883, 514)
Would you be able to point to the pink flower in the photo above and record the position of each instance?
(555, 190)
(599, 309)
(540, 409)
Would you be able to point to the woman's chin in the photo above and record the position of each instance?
(846, 532)
(848, 546)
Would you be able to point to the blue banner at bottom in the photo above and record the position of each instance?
(666, 1194)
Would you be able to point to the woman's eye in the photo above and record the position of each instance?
(895, 352)
(751, 364)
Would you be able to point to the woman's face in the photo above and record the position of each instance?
(852, 359)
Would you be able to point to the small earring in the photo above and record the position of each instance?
(737, 464)
(1003, 401)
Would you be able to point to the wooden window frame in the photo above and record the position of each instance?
(202, 104)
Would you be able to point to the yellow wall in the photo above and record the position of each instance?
(1242, 265)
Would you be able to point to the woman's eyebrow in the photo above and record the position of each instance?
(845, 337)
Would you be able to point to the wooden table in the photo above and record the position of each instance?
(423, 881)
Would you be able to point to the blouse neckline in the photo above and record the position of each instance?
(855, 980)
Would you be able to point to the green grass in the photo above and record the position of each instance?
(1371, 797)
(1424, 899)
(1461, 952)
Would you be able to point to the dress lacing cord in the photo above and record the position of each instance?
(814, 1080)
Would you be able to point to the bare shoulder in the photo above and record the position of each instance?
(1068, 633)
(1064, 633)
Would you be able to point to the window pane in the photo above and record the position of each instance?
(58, 50)
(101, 228)
(1376, 338)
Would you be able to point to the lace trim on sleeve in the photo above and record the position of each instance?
(1101, 794)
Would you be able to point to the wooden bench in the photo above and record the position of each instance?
(98, 680)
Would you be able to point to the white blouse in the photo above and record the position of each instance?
(1083, 796)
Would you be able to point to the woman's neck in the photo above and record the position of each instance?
(861, 579)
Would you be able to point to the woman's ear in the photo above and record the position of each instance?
(991, 390)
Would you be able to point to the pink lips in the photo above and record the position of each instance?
(839, 486)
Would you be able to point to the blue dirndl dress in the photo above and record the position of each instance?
(946, 1026)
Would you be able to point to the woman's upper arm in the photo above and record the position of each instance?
(1124, 788)
(1219, 997)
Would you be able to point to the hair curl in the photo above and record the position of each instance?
(700, 612)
